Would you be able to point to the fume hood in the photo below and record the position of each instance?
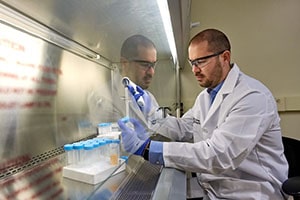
(54, 55)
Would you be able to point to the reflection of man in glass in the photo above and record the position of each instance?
(138, 60)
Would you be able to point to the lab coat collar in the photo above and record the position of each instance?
(230, 80)
(227, 88)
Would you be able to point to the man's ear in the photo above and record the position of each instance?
(226, 56)
(124, 64)
(123, 60)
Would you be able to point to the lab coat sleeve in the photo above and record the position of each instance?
(177, 129)
(237, 133)
(156, 153)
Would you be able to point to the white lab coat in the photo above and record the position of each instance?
(237, 149)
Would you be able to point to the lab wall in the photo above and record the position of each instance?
(163, 85)
(265, 38)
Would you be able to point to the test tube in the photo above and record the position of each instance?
(70, 153)
(101, 151)
(106, 149)
(104, 128)
(96, 151)
(88, 155)
(114, 152)
(126, 121)
(78, 147)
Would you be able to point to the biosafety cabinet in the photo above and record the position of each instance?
(58, 60)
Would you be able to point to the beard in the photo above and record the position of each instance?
(213, 77)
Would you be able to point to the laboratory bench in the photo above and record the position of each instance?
(139, 180)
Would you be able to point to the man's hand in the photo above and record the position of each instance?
(141, 97)
(135, 138)
(148, 103)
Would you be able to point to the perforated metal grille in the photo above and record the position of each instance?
(32, 162)
(139, 185)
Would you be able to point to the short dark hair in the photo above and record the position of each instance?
(217, 40)
(130, 45)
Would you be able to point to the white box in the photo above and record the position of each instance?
(94, 173)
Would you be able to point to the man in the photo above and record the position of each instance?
(138, 58)
(237, 151)
(138, 61)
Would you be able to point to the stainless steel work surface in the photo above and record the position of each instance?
(171, 185)
(141, 181)
(139, 185)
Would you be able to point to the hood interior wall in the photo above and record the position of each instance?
(101, 26)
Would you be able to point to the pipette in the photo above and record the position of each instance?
(135, 90)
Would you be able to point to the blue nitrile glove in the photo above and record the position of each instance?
(141, 97)
(134, 139)
(137, 93)
(147, 105)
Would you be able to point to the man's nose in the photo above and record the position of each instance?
(150, 70)
(195, 69)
